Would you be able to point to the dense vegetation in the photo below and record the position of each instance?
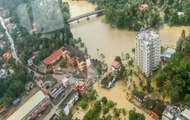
(103, 105)
(12, 86)
(89, 96)
(135, 116)
(173, 79)
(177, 12)
(125, 13)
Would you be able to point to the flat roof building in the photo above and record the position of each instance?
(185, 115)
(168, 53)
(31, 108)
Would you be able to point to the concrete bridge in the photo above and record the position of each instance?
(84, 15)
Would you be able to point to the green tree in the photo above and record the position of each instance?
(130, 62)
(91, 94)
(63, 63)
(135, 116)
(186, 101)
(105, 110)
(62, 116)
(104, 100)
(116, 111)
(84, 103)
(118, 59)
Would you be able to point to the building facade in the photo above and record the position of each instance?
(147, 51)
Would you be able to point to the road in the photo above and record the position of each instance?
(55, 107)
(10, 40)
(14, 54)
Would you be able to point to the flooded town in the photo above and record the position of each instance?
(66, 60)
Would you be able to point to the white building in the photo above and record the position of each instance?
(3, 73)
(147, 52)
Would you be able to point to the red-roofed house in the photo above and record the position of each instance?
(51, 60)
(36, 52)
(142, 7)
(54, 57)
(115, 65)
(7, 55)
(2, 110)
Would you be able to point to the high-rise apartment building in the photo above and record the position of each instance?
(147, 51)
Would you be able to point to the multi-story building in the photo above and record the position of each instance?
(147, 51)
(32, 108)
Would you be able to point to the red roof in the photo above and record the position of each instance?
(53, 56)
(40, 82)
(115, 64)
(7, 55)
(143, 6)
(2, 110)
(36, 52)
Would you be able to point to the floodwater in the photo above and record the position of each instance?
(118, 95)
(96, 34)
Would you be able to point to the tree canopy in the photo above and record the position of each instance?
(126, 14)
(135, 116)
(12, 86)
(177, 12)
(174, 78)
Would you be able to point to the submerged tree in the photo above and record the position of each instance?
(135, 116)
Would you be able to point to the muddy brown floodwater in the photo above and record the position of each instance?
(96, 34)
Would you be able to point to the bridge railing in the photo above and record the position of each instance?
(85, 15)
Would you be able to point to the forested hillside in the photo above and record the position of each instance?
(44, 33)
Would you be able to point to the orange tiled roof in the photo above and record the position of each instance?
(54, 55)
(7, 55)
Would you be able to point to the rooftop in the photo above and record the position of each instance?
(143, 6)
(159, 108)
(186, 113)
(170, 111)
(7, 55)
(70, 98)
(105, 81)
(54, 55)
(149, 103)
(140, 95)
(115, 64)
(148, 35)
(27, 107)
(168, 52)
